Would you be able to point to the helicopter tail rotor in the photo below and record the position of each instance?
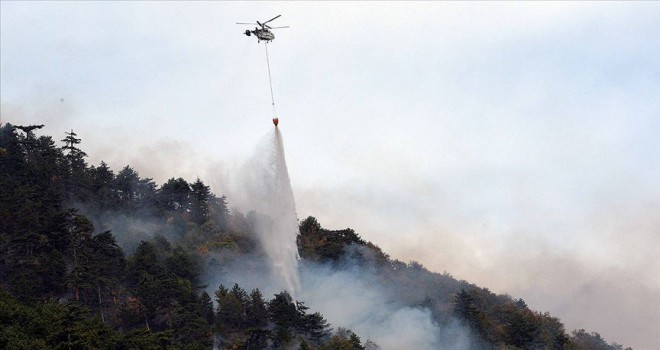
(247, 32)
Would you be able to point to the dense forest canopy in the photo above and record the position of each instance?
(97, 259)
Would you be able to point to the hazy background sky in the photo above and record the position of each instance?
(514, 145)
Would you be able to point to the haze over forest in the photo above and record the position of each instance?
(513, 146)
(94, 259)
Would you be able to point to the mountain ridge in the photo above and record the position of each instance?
(94, 259)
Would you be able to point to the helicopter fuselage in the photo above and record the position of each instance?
(261, 34)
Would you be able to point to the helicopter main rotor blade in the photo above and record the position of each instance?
(278, 27)
(244, 23)
(272, 19)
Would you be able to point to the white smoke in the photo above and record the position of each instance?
(353, 297)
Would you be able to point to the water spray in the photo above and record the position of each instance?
(267, 192)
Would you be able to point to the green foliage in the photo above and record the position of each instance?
(581, 339)
(469, 307)
(232, 310)
(133, 195)
(175, 195)
(248, 321)
(291, 318)
(313, 326)
(200, 198)
(344, 339)
(207, 307)
(282, 311)
(54, 325)
(317, 244)
(256, 312)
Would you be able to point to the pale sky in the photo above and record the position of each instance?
(513, 145)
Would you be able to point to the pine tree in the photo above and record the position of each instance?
(135, 196)
(174, 195)
(80, 231)
(102, 180)
(219, 212)
(467, 307)
(256, 312)
(108, 268)
(284, 315)
(207, 307)
(77, 183)
(146, 275)
(200, 196)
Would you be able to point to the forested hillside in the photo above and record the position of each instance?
(97, 259)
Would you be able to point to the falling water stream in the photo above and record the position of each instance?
(269, 189)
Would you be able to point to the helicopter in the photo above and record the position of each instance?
(264, 33)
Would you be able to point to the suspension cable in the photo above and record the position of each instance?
(270, 80)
